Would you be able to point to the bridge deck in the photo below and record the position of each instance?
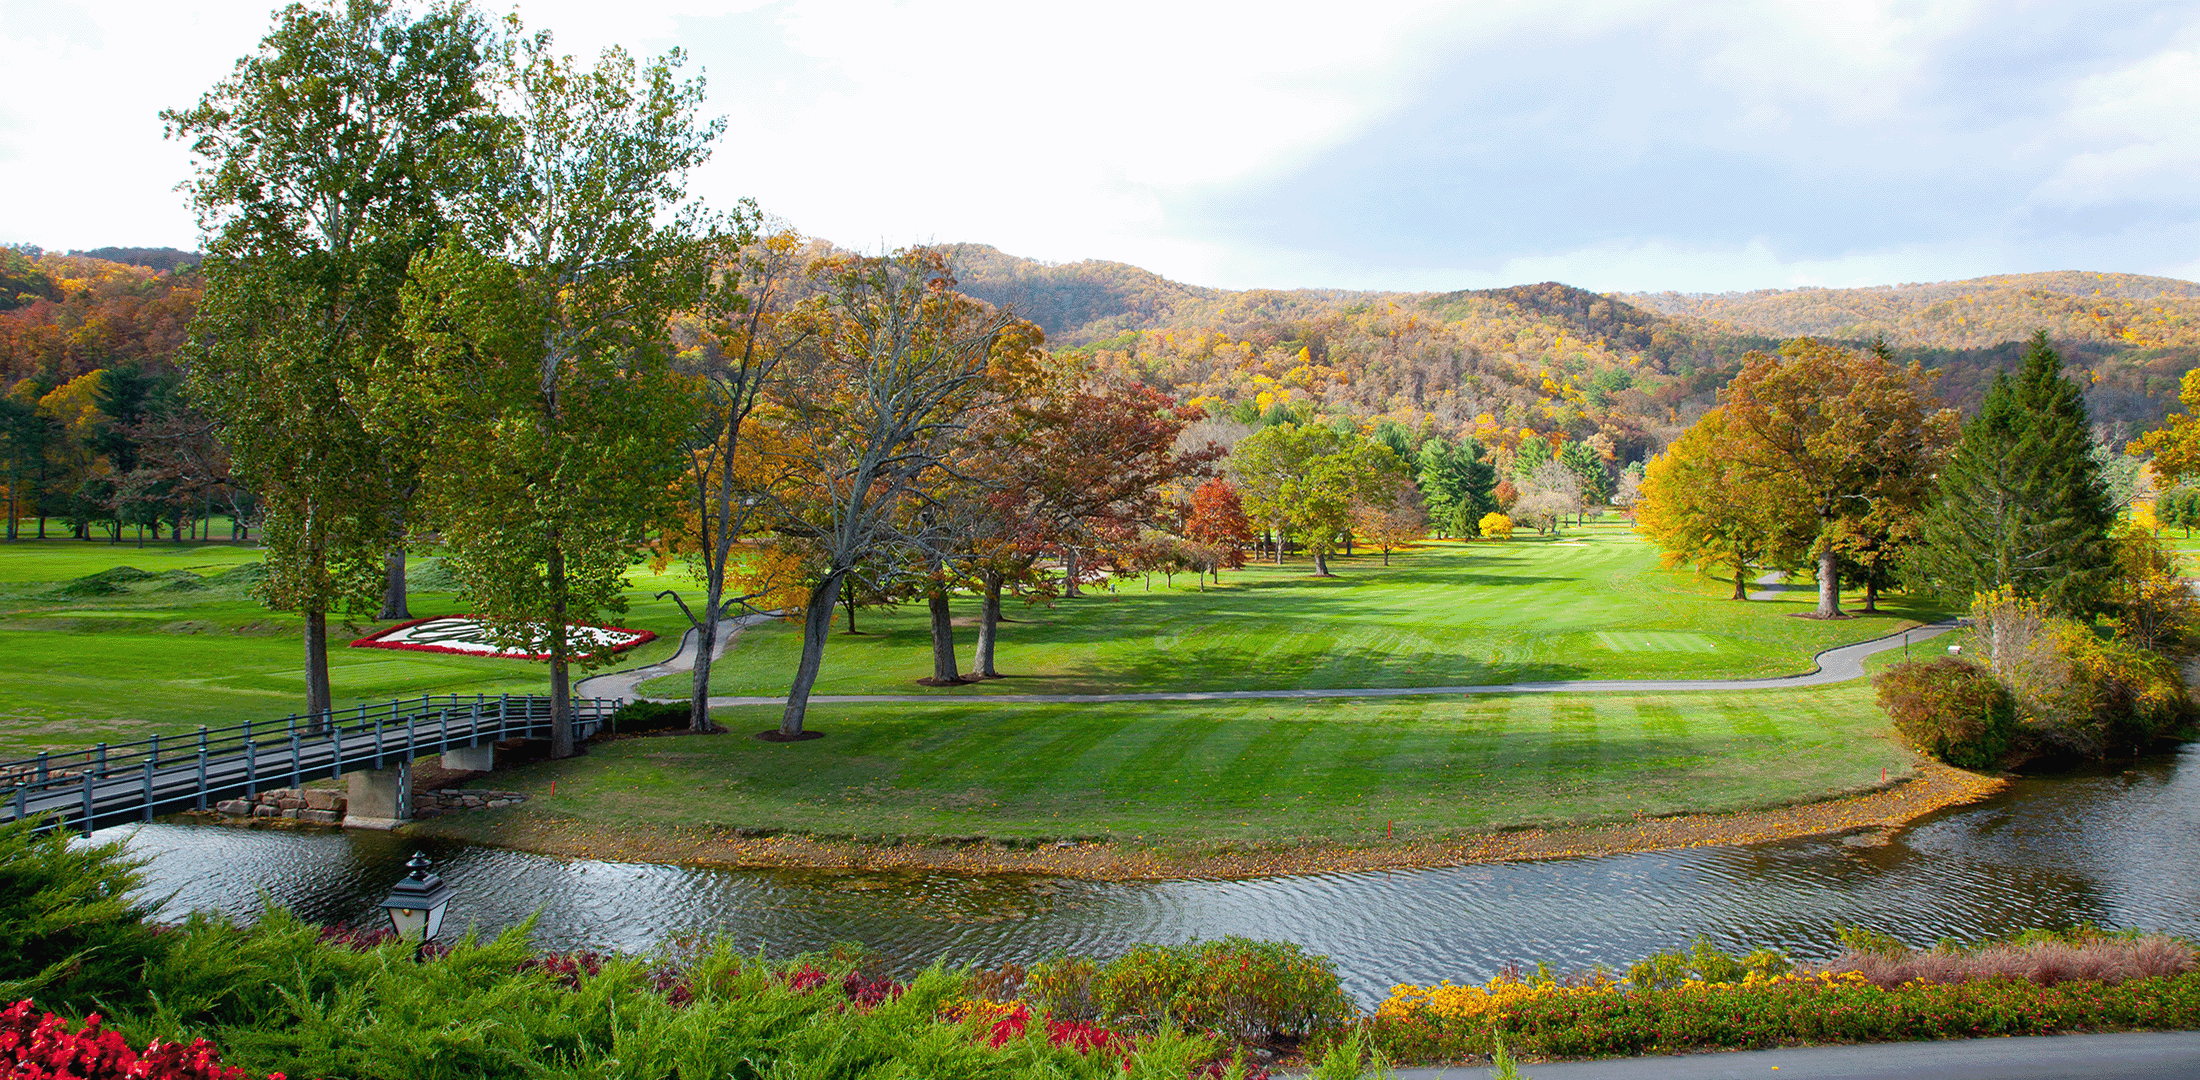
(108, 785)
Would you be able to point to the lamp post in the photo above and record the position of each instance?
(416, 903)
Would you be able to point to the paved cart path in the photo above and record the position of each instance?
(2130, 1056)
(1831, 666)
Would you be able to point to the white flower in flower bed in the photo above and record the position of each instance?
(467, 635)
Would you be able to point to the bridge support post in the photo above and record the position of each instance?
(471, 758)
(379, 799)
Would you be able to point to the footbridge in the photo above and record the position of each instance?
(108, 784)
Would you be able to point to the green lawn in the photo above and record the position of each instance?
(1592, 604)
(188, 645)
(1199, 774)
(191, 646)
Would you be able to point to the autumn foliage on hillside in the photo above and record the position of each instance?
(74, 314)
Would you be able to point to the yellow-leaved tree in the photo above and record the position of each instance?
(1703, 507)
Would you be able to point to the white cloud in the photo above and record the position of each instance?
(1413, 145)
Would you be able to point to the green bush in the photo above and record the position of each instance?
(639, 716)
(1703, 962)
(1950, 709)
(1236, 986)
(69, 931)
(1066, 986)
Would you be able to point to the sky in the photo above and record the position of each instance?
(1421, 146)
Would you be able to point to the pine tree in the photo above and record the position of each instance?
(1457, 481)
(2020, 502)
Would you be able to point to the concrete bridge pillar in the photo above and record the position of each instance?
(481, 758)
(379, 799)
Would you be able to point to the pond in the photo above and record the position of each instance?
(2119, 847)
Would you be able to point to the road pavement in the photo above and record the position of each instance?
(2171, 1055)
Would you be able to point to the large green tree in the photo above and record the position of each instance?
(545, 331)
(1459, 482)
(1305, 479)
(1842, 433)
(325, 164)
(2020, 504)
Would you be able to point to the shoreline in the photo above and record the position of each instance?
(1880, 810)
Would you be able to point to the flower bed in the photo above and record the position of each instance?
(468, 635)
(2039, 984)
(47, 1049)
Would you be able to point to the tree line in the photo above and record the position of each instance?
(456, 291)
(1843, 461)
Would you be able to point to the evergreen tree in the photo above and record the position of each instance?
(2020, 502)
(1457, 482)
(1586, 463)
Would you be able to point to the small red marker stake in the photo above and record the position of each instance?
(1390, 829)
(1882, 775)
(554, 784)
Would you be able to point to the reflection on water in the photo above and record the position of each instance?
(2119, 849)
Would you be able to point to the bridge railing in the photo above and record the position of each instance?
(113, 782)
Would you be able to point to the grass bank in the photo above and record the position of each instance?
(1226, 788)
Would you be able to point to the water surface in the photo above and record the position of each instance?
(2118, 847)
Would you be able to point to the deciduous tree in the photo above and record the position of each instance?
(1306, 478)
(325, 166)
(547, 341)
(1837, 432)
(1702, 505)
(744, 323)
(874, 406)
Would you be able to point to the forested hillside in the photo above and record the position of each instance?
(2131, 336)
(1626, 371)
(1553, 358)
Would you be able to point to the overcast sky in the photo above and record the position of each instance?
(1687, 146)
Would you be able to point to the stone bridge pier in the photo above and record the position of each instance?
(379, 798)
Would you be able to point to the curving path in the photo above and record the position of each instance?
(1834, 665)
(624, 685)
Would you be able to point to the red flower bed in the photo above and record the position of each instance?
(45, 1049)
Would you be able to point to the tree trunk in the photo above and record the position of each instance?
(1829, 584)
(1386, 556)
(943, 635)
(1348, 543)
(848, 600)
(1070, 571)
(1321, 563)
(989, 624)
(817, 621)
(393, 586)
(706, 642)
(1741, 586)
(317, 688)
(561, 703)
(1871, 595)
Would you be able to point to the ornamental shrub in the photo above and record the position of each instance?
(638, 716)
(69, 932)
(1497, 526)
(1237, 986)
(1949, 709)
(1705, 963)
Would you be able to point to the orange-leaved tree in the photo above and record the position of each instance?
(1217, 526)
(1851, 437)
